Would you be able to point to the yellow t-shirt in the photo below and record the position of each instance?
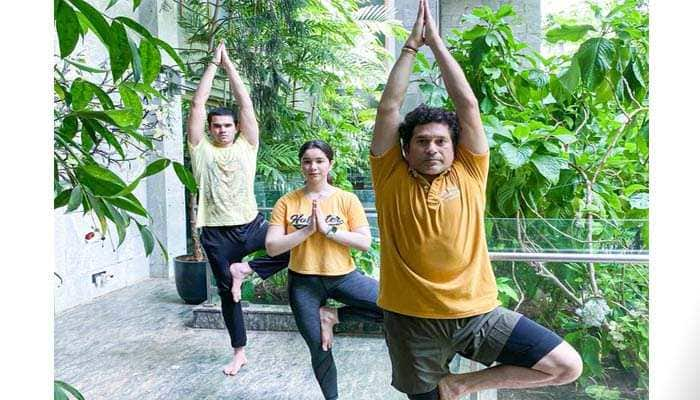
(318, 255)
(434, 258)
(225, 176)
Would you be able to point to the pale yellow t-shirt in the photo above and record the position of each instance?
(319, 255)
(434, 258)
(225, 176)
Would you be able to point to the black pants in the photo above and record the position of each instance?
(307, 293)
(229, 244)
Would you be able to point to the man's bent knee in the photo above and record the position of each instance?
(563, 363)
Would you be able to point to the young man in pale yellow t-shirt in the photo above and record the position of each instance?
(437, 287)
(224, 168)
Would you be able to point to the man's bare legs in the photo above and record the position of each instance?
(561, 366)
(238, 361)
(329, 317)
(238, 273)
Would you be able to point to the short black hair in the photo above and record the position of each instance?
(422, 115)
(221, 111)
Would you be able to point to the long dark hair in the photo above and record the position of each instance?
(321, 145)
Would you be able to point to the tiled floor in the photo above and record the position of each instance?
(134, 343)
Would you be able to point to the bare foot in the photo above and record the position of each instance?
(239, 360)
(238, 272)
(446, 390)
(329, 317)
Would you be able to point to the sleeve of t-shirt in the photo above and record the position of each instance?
(356, 213)
(243, 137)
(279, 212)
(476, 165)
(384, 164)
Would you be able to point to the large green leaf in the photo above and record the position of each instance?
(571, 78)
(96, 20)
(129, 204)
(155, 167)
(478, 51)
(185, 177)
(147, 237)
(120, 222)
(138, 28)
(505, 11)
(132, 104)
(99, 172)
(473, 33)
(136, 66)
(595, 59)
(107, 135)
(150, 61)
(68, 389)
(171, 52)
(516, 157)
(81, 93)
(104, 98)
(568, 33)
(87, 139)
(121, 118)
(69, 127)
(119, 52)
(76, 198)
(67, 28)
(62, 198)
(590, 353)
(548, 166)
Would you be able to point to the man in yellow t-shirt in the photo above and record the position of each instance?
(436, 285)
(224, 168)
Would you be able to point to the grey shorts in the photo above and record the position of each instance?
(421, 348)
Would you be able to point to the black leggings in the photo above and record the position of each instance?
(307, 293)
(229, 244)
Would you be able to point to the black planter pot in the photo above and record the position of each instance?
(191, 279)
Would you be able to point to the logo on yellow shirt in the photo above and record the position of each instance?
(301, 221)
(450, 193)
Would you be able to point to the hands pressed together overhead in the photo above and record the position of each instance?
(220, 57)
(424, 29)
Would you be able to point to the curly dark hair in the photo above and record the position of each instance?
(422, 115)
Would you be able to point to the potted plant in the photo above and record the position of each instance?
(191, 269)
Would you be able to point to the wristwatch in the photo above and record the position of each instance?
(331, 232)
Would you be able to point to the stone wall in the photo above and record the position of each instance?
(448, 14)
(76, 259)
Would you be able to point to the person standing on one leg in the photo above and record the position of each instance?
(320, 223)
(436, 286)
(224, 168)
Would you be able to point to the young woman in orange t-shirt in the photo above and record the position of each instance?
(319, 223)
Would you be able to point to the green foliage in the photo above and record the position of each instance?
(367, 261)
(99, 119)
(569, 139)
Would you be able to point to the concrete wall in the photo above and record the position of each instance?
(448, 13)
(76, 260)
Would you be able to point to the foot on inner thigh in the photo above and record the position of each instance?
(238, 272)
(447, 388)
(239, 360)
(329, 317)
